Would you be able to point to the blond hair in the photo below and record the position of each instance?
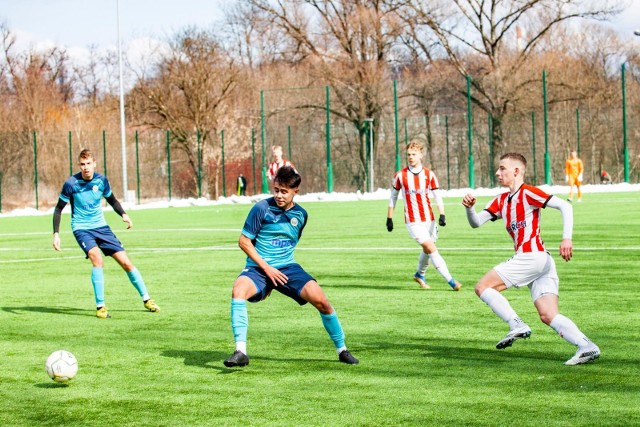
(415, 144)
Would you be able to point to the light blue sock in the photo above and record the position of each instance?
(334, 329)
(239, 319)
(136, 280)
(97, 279)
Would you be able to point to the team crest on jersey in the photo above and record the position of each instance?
(294, 222)
(95, 188)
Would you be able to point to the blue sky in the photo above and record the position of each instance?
(81, 23)
(77, 24)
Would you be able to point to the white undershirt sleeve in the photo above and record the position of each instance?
(393, 198)
(438, 199)
(477, 219)
(567, 215)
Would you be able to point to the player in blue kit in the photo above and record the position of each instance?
(84, 191)
(270, 233)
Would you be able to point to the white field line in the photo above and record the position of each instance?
(163, 230)
(335, 249)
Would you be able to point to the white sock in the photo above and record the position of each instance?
(341, 349)
(241, 346)
(423, 263)
(500, 306)
(569, 331)
(440, 265)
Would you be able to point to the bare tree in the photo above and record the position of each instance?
(345, 43)
(190, 90)
(495, 41)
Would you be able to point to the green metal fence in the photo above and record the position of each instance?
(332, 152)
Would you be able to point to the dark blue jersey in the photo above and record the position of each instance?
(274, 232)
(85, 198)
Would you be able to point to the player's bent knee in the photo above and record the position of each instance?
(243, 289)
(546, 318)
(480, 288)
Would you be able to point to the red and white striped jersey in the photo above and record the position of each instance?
(521, 214)
(273, 168)
(415, 190)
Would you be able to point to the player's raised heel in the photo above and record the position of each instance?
(103, 313)
(151, 306)
(346, 357)
(584, 355)
(238, 358)
(422, 281)
(521, 332)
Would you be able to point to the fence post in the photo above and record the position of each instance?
(446, 138)
(104, 157)
(70, 156)
(169, 163)
(625, 150)
(395, 115)
(289, 142)
(224, 179)
(328, 141)
(533, 147)
(490, 139)
(265, 186)
(578, 129)
(547, 157)
(199, 164)
(470, 133)
(253, 158)
(1, 175)
(137, 169)
(35, 166)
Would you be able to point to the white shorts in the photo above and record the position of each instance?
(423, 231)
(537, 270)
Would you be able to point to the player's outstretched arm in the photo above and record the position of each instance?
(475, 219)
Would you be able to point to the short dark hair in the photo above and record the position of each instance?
(288, 177)
(515, 156)
(86, 154)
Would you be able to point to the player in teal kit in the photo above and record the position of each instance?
(84, 191)
(270, 233)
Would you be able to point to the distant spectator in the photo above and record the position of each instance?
(242, 185)
(605, 178)
(574, 170)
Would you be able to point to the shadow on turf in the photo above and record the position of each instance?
(51, 385)
(213, 359)
(53, 310)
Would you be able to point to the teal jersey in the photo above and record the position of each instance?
(274, 232)
(85, 198)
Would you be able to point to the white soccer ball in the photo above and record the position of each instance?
(61, 366)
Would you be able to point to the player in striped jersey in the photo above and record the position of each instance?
(532, 265)
(277, 163)
(269, 236)
(415, 182)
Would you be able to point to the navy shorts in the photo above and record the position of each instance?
(297, 279)
(101, 237)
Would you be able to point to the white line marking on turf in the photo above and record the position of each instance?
(158, 230)
(235, 248)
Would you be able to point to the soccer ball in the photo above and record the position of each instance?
(61, 366)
